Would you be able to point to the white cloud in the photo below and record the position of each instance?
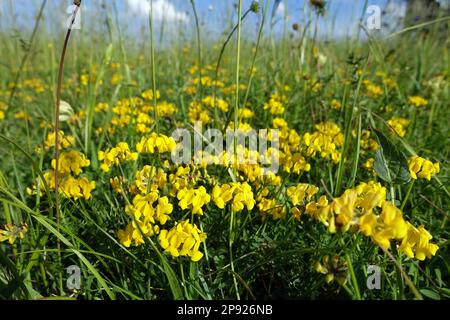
(161, 9)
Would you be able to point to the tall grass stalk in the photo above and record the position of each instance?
(77, 4)
(199, 50)
(236, 126)
(152, 57)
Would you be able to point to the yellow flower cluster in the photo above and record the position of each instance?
(335, 104)
(422, 168)
(77, 188)
(239, 194)
(193, 199)
(71, 162)
(12, 232)
(367, 143)
(297, 194)
(148, 179)
(372, 90)
(271, 207)
(275, 105)
(3, 108)
(156, 143)
(417, 101)
(399, 125)
(136, 112)
(64, 141)
(71, 185)
(116, 155)
(358, 209)
(324, 141)
(334, 269)
(184, 239)
(145, 215)
(37, 85)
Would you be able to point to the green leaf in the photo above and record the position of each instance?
(430, 294)
(390, 163)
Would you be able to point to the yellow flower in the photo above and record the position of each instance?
(243, 196)
(367, 224)
(297, 194)
(116, 79)
(344, 209)
(334, 269)
(156, 143)
(422, 168)
(184, 239)
(368, 165)
(335, 104)
(275, 106)
(101, 107)
(279, 123)
(135, 232)
(22, 115)
(117, 183)
(71, 162)
(324, 141)
(148, 179)
(245, 113)
(417, 243)
(296, 213)
(271, 207)
(77, 188)
(116, 155)
(399, 125)
(64, 141)
(217, 103)
(417, 101)
(193, 199)
(163, 209)
(373, 90)
(12, 232)
(84, 79)
(148, 94)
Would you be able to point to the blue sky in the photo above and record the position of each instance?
(216, 15)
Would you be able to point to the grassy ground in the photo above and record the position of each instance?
(270, 242)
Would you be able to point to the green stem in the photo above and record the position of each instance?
(408, 192)
(152, 54)
(236, 125)
(199, 46)
(353, 276)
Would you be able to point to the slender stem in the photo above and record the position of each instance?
(77, 4)
(216, 75)
(358, 147)
(348, 130)
(199, 49)
(408, 192)
(353, 276)
(258, 42)
(236, 125)
(152, 53)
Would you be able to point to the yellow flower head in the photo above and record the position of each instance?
(422, 168)
(156, 143)
(184, 239)
(417, 101)
(12, 232)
